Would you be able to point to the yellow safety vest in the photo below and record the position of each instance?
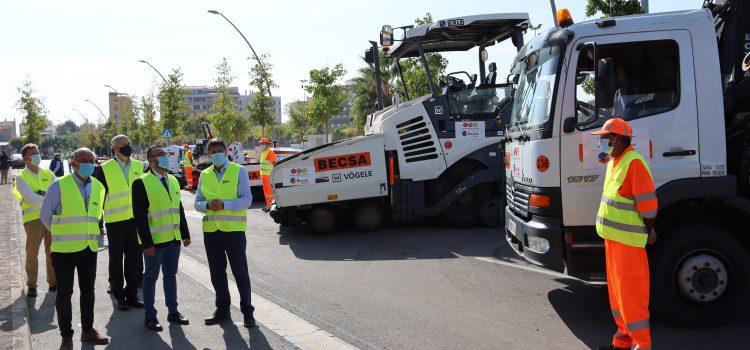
(265, 166)
(226, 190)
(186, 161)
(118, 205)
(618, 219)
(77, 226)
(163, 208)
(37, 183)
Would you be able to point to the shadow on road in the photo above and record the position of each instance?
(6, 315)
(584, 308)
(415, 241)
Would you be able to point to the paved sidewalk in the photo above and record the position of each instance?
(14, 325)
(125, 329)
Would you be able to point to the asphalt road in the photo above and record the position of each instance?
(425, 287)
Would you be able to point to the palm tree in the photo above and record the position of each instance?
(364, 97)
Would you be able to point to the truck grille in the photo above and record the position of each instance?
(517, 197)
(416, 141)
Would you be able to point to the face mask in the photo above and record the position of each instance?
(85, 170)
(36, 159)
(163, 162)
(219, 158)
(605, 146)
(126, 150)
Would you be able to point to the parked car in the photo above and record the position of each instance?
(16, 161)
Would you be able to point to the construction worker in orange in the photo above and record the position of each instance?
(267, 160)
(187, 163)
(626, 222)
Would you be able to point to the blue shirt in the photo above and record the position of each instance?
(52, 203)
(244, 196)
(125, 167)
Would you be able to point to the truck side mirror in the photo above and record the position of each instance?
(605, 83)
(386, 36)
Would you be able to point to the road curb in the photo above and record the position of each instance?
(14, 312)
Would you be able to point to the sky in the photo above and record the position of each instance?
(71, 49)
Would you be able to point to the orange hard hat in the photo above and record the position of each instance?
(615, 126)
(264, 140)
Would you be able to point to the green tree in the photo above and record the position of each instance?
(299, 123)
(262, 111)
(150, 127)
(172, 102)
(364, 96)
(66, 128)
(16, 143)
(226, 120)
(327, 93)
(89, 136)
(34, 119)
(345, 132)
(612, 8)
(130, 122)
(415, 78)
(192, 128)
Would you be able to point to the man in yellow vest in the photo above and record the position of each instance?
(187, 163)
(161, 223)
(224, 196)
(30, 187)
(72, 210)
(117, 176)
(267, 160)
(626, 222)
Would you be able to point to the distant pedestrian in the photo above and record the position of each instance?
(4, 166)
(224, 195)
(31, 186)
(626, 222)
(187, 163)
(72, 210)
(56, 165)
(161, 223)
(267, 161)
(117, 176)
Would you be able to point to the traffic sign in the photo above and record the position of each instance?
(167, 133)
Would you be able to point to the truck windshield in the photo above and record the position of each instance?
(537, 74)
(478, 102)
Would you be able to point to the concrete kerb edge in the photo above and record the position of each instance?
(25, 318)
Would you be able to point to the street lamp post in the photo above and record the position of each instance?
(97, 107)
(113, 89)
(82, 116)
(155, 70)
(255, 55)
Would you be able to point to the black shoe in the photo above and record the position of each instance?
(266, 210)
(217, 318)
(122, 305)
(135, 303)
(249, 321)
(53, 288)
(109, 290)
(154, 325)
(31, 293)
(178, 318)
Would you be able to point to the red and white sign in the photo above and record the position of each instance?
(470, 129)
(298, 176)
(344, 161)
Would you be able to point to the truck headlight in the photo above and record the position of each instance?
(537, 245)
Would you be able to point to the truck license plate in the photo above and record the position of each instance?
(512, 227)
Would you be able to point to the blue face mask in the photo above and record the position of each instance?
(605, 146)
(36, 159)
(219, 158)
(163, 162)
(85, 170)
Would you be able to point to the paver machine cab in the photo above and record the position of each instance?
(680, 80)
(437, 156)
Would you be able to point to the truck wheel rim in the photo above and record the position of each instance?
(703, 277)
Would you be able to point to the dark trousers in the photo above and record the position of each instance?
(123, 246)
(165, 258)
(220, 247)
(65, 264)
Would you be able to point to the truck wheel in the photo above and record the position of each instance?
(699, 276)
(367, 217)
(321, 219)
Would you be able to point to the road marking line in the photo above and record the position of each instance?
(289, 326)
(522, 267)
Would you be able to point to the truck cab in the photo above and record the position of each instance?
(661, 73)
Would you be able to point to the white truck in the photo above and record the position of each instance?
(678, 79)
(437, 156)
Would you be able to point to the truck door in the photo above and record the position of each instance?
(654, 91)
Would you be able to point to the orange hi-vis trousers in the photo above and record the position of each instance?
(267, 189)
(189, 177)
(628, 286)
